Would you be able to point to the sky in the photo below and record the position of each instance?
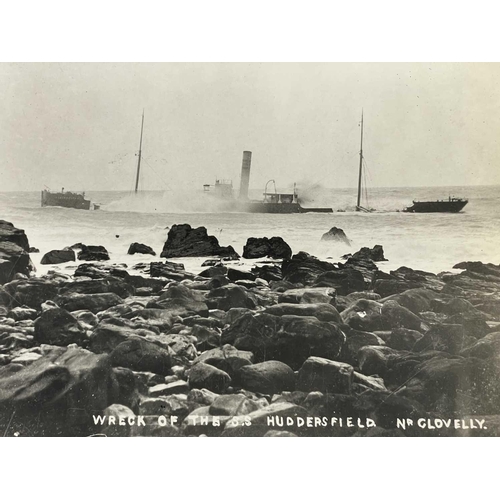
(77, 125)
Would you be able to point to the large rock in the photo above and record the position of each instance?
(101, 285)
(33, 293)
(290, 339)
(58, 256)
(92, 252)
(13, 259)
(309, 296)
(322, 311)
(141, 355)
(345, 281)
(227, 358)
(10, 233)
(93, 302)
(140, 248)
(184, 241)
(305, 268)
(326, 376)
(442, 337)
(233, 405)
(58, 327)
(275, 248)
(376, 254)
(364, 314)
(204, 376)
(63, 389)
(416, 300)
(268, 377)
(230, 296)
(337, 235)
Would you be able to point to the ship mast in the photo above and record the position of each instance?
(140, 152)
(358, 205)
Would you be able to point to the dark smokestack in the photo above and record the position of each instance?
(245, 175)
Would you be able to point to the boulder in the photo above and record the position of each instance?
(204, 376)
(396, 316)
(58, 327)
(325, 375)
(100, 285)
(140, 248)
(376, 254)
(10, 233)
(363, 314)
(237, 274)
(13, 259)
(93, 302)
(184, 241)
(345, 281)
(92, 252)
(290, 339)
(34, 292)
(63, 389)
(442, 337)
(337, 235)
(309, 296)
(58, 256)
(304, 268)
(141, 355)
(230, 296)
(322, 311)
(275, 248)
(416, 300)
(403, 339)
(227, 358)
(233, 405)
(268, 377)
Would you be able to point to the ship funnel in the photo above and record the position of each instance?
(245, 174)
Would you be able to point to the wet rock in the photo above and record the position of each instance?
(169, 270)
(487, 347)
(94, 302)
(442, 337)
(141, 355)
(322, 311)
(274, 248)
(58, 327)
(290, 339)
(355, 341)
(345, 281)
(178, 387)
(107, 285)
(309, 296)
(204, 376)
(63, 389)
(365, 315)
(269, 377)
(416, 300)
(140, 248)
(403, 339)
(58, 256)
(418, 279)
(22, 313)
(479, 268)
(232, 404)
(202, 396)
(237, 274)
(268, 273)
(389, 287)
(230, 296)
(158, 318)
(304, 268)
(33, 293)
(12, 234)
(13, 259)
(376, 254)
(92, 252)
(184, 241)
(211, 272)
(337, 235)
(226, 358)
(375, 360)
(396, 316)
(325, 375)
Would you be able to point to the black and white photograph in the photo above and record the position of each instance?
(249, 249)
(246, 240)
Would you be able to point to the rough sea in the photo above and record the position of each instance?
(431, 242)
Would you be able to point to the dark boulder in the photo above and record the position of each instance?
(202, 375)
(290, 339)
(114, 285)
(396, 316)
(336, 234)
(363, 314)
(345, 281)
(227, 358)
(58, 327)
(13, 259)
(324, 295)
(322, 311)
(325, 375)
(93, 302)
(376, 254)
(237, 274)
(170, 270)
(184, 241)
(140, 248)
(211, 272)
(141, 355)
(268, 377)
(230, 296)
(442, 337)
(274, 248)
(233, 405)
(416, 300)
(63, 389)
(58, 256)
(12, 234)
(304, 268)
(268, 273)
(92, 252)
(34, 292)
(403, 339)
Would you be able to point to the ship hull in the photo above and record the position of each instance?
(280, 208)
(66, 200)
(436, 206)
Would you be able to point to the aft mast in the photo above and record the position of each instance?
(140, 152)
(358, 204)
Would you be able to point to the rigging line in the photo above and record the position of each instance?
(156, 173)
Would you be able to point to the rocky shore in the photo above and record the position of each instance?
(296, 346)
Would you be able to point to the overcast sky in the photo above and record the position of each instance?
(78, 125)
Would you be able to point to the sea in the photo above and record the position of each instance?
(432, 242)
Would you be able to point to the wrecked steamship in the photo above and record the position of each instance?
(272, 202)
